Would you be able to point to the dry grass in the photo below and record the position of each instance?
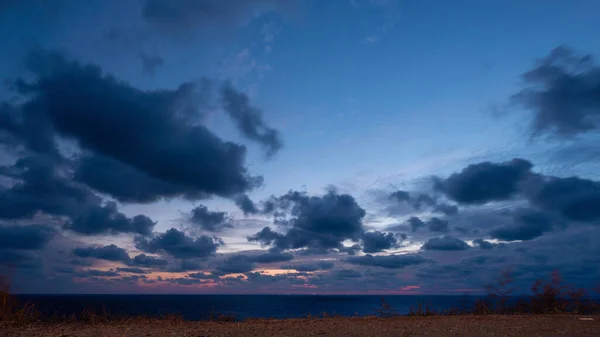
(438, 326)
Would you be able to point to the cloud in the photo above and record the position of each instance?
(185, 281)
(315, 222)
(108, 253)
(574, 198)
(306, 267)
(29, 237)
(206, 276)
(437, 225)
(388, 261)
(421, 202)
(106, 219)
(271, 257)
(178, 245)
(133, 270)
(376, 241)
(346, 273)
(144, 260)
(485, 182)
(90, 273)
(249, 120)
(150, 131)
(483, 244)
(180, 17)
(527, 225)
(446, 243)
(19, 259)
(150, 63)
(127, 184)
(210, 221)
(415, 223)
(241, 263)
(236, 264)
(400, 196)
(40, 185)
(246, 205)
(563, 93)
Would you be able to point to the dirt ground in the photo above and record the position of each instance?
(401, 326)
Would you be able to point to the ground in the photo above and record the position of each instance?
(402, 326)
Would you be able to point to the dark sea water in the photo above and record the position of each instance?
(198, 307)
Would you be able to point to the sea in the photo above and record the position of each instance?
(200, 307)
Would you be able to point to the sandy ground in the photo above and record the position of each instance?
(401, 326)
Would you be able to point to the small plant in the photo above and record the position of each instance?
(385, 310)
(500, 290)
(422, 310)
(11, 310)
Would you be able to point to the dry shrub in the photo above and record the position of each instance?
(422, 310)
(11, 310)
(385, 310)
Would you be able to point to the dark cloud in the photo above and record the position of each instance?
(315, 222)
(445, 209)
(150, 63)
(376, 241)
(150, 131)
(236, 264)
(108, 253)
(447, 243)
(19, 259)
(437, 225)
(30, 237)
(210, 221)
(127, 184)
(187, 265)
(321, 265)
(144, 260)
(485, 182)
(422, 202)
(132, 279)
(206, 276)
(184, 281)
(388, 261)
(573, 198)
(246, 205)
(527, 225)
(563, 93)
(41, 185)
(106, 219)
(400, 196)
(325, 265)
(133, 270)
(346, 273)
(415, 223)
(96, 273)
(249, 120)
(271, 257)
(183, 17)
(178, 245)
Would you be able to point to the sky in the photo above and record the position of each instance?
(298, 146)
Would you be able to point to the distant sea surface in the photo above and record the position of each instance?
(199, 307)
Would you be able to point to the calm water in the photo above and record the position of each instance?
(197, 307)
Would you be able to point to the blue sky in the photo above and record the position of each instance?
(369, 96)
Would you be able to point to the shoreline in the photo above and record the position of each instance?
(463, 325)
